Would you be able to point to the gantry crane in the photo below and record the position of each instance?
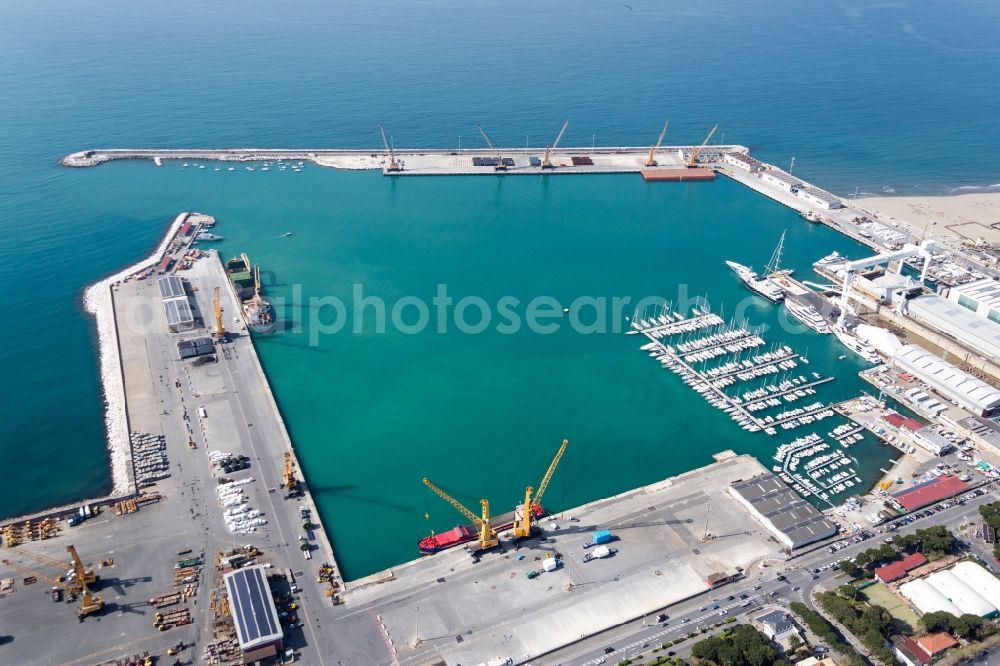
(523, 523)
(220, 330)
(393, 164)
(693, 157)
(500, 165)
(487, 535)
(651, 160)
(90, 603)
(547, 160)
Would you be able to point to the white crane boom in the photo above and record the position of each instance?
(500, 165)
(393, 165)
(547, 161)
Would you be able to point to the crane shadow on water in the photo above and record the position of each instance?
(347, 493)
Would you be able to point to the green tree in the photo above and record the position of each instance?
(939, 621)
(967, 626)
(849, 592)
(850, 568)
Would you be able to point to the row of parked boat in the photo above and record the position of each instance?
(780, 355)
(669, 323)
(669, 360)
(825, 475)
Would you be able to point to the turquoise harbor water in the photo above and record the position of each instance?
(883, 98)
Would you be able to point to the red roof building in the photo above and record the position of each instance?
(894, 419)
(935, 644)
(165, 264)
(909, 652)
(921, 495)
(912, 425)
(897, 570)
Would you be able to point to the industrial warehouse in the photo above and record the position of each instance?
(790, 518)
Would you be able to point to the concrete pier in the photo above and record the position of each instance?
(433, 161)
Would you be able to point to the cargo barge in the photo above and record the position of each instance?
(256, 310)
(435, 543)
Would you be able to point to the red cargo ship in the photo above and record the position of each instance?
(464, 533)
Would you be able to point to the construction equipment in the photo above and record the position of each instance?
(547, 160)
(288, 477)
(500, 166)
(393, 164)
(693, 156)
(487, 535)
(651, 160)
(220, 330)
(523, 524)
(90, 603)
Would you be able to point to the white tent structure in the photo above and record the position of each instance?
(979, 579)
(961, 594)
(926, 598)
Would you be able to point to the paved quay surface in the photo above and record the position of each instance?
(446, 606)
(814, 570)
(240, 419)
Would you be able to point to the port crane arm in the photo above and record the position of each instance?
(54, 582)
(651, 160)
(393, 165)
(548, 474)
(693, 157)
(487, 535)
(547, 161)
(500, 165)
(454, 502)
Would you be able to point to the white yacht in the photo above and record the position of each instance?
(754, 283)
(808, 315)
(857, 345)
(830, 259)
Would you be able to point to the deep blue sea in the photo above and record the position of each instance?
(885, 98)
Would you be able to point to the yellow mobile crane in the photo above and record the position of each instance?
(90, 603)
(288, 477)
(651, 160)
(693, 157)
(220, 330)
(523, 523)
(500, 165)
(547, 160)
(488, 538)
(393, 164)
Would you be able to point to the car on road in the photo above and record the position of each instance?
(702, 609)
(685, 620)
(662, 617)
(730, 597)
(796, 588)
(744, 596)
(608, 650)
(756, 587)
(888, 539)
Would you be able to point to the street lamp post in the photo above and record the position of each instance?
(791, 167)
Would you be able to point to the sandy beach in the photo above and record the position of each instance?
(965, 216)
(97, 301)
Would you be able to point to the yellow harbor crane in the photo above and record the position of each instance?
(487, 535)
(547, 160)
(523, 523)
(220, 330)
(693, 157)
(89, 603)
(500, 165)
(651, 160)
(393, 164)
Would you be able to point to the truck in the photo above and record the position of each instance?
(600, 552)
(601, 537)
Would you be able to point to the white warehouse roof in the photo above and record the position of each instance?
(960, 593)
(959, 385)
(927, 599)
(974, 331)
(979, 579)
(985, 291)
